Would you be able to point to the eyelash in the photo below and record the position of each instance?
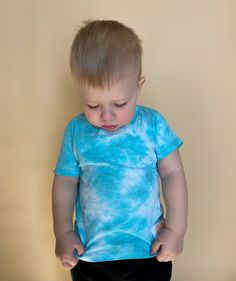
(120, 105)
(96, 106)
(92, 107)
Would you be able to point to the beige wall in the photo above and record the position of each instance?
(190, 65)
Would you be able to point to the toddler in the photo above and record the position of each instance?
(111, 159)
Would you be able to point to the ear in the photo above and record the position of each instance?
(141, 81)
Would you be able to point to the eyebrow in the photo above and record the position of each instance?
(120, 100)
(114, 101)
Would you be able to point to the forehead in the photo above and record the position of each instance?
(117, 92)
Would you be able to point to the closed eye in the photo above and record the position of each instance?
(121, 104)
(92, 106)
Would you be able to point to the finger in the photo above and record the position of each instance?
(70, 259)
(69, 262)
(79, 249)
(162, 257)
(156, 245)
(67, 265)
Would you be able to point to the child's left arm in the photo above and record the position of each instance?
(170, 239)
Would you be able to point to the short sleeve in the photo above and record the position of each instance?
(67, 163)
(166, 139)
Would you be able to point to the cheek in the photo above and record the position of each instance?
(126, 115)
(91, 116)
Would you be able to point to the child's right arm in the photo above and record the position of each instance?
(63, 201)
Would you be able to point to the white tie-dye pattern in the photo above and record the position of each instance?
(131, 180)
(103, 212)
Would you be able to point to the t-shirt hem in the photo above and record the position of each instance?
(116, 259)
(60, 172)
(170, 149)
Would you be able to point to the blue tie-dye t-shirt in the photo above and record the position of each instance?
(118, 202)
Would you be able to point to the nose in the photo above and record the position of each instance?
(107, 115)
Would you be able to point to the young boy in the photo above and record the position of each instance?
(109, 166)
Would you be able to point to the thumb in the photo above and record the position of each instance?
(79, 248)
(156, 245)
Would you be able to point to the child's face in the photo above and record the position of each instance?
(111, 108)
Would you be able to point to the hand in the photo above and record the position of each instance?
(169, 244)
(66, 244)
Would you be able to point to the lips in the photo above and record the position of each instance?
(109, 128)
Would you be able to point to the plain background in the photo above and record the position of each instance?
(190, 64)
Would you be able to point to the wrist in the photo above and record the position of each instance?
(177, 232)
(61, 234)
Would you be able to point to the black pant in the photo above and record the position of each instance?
(149, 269)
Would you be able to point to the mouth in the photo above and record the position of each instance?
(110, 128)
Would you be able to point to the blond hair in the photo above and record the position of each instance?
(105, 51)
